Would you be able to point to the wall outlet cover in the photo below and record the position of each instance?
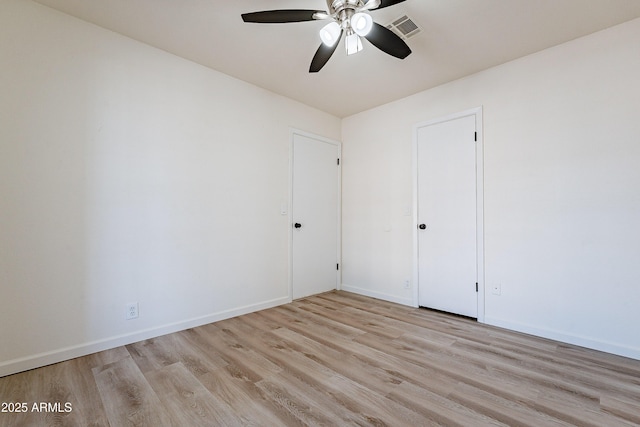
(132, 311)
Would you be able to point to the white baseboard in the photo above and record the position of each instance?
(59, 355)
(378, 295)
(607, 347)
(620, 350)
(38, 360)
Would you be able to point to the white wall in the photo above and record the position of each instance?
(128, 174)
(562, 190)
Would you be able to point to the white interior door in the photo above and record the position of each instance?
(447, 216)
(315, 215)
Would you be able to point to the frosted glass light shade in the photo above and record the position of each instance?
(353, 44)
(330, 34)
(361, 23)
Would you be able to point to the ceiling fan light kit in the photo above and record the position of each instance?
(353, 44)
(350, 17)
(330, 34)
(361, 23)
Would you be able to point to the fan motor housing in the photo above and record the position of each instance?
(338, 6)
(343, 10)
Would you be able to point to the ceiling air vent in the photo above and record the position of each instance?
(404, 27)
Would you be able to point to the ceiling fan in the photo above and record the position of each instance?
(348, 16)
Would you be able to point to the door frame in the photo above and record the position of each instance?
(292, 133)
(477, 112)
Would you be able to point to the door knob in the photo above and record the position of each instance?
(297, 225)
(422, 226)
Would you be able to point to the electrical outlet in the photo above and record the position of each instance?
(496, 289)
(407, 284)
(132, 311)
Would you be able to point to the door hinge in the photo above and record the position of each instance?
(475, 136)
(476, 286)
(337, 266)
(338, 162)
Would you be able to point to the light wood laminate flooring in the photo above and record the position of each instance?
(335, 359)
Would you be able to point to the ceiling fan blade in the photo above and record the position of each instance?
(387, 3)
(371, 5)
(388, 42)
(322, 56)
(281, 16)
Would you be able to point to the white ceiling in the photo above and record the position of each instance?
(458, 38)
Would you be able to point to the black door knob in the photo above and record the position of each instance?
(422, 226)
(297, 225)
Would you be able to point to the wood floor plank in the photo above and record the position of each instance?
(153, 354)
(17, 389)
(500, 366)
(623, 407)
(81, 382)
(200, 342)
(576, 414)
(370, 325)
(53, 396)
(241, 358)
(393, 314)
(369, 361)
(552, 367)
(297, 402)
(249, 402)
(305, 365)
(374, 377)
(310, 326)
(439, 409)
(611, 362)
(300, 317)
(372, 407)
(510, 411)
(187, 401)
(127, 397)
(460, 371)
(503, 387)
(167, 350)
(336, 359)
(106, 357)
